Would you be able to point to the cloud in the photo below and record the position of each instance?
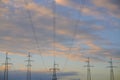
(99, 9)
(62, 2)
(113, 54)
(17, 35)
(39, 10)
(5, 1)
(112, 6)
(3, 10)
(109, 4)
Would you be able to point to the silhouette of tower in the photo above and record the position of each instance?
(54, 69)
(111, 69)
(29, 67)
(88, 69)
(6, 67)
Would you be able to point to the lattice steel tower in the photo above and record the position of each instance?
(29, 67)
(54, 69)
(111, 70)
(88, 69)
(6, 67)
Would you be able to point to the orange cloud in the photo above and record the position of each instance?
(93, 48)
(60, 46)
(2, 11)
(92, 45)
(40, 10)
(111, 6)
(5, 1)
(2, 68)
(106, 4)
(68, 3)
(62, 2)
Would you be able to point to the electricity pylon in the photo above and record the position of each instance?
(88, 69)
(54, 69)
(29, 67)
(6, 67)
(111, 69)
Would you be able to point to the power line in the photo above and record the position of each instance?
(34, 34)
(54, 27)
(73, 39)
(70, 48)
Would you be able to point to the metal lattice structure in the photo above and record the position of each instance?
(88, 69)
(29, 67)
(54, 69)
(6, 67)
(111, 69)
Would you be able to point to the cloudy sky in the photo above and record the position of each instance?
(82, 29)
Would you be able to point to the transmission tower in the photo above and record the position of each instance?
(54, 69)
(88, 69)
(111, 69)
(6, 67)
(29, 67)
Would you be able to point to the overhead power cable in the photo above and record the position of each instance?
(73, 39)
(34, 33)
(54, 28)
(72, 43)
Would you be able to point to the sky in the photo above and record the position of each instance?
(82, 29)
